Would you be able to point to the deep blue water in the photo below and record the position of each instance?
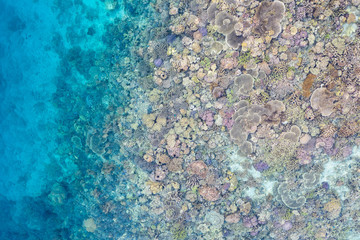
(47, 51)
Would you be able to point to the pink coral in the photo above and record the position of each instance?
(327, 144)
(198, 168)
(209, 193)
(228, 122)
(303, 156)
(228, 63)
(208, 117)
(233, 218)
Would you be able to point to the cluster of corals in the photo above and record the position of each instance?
(247, 118)
(263, 66)
(225, 24)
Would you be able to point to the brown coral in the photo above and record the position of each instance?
(328, 131)
(175, 165)
(162, 159)
(293, 135)
(234, 40)
(275, 108)
(308, 82)
(198, 168)
(349, 129)
(233, 218)
(243, 84)
(209, 193)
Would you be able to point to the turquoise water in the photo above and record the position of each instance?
(49, 53)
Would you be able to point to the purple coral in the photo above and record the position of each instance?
(203, 31)
(158, 62)
(261, 166)
(327, 144)
(325, 185)
(228, 122)
(287, 226)
(208, 117)
(347, 151)
(250, 222)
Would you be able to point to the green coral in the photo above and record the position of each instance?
(206, 62)
(230, 98)
(179, 231)
(244, 58)
(288, 214)
(211, 29)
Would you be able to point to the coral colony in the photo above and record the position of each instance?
(200, 119)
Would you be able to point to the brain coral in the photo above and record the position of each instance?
(224, 22)
(322, 100)
(268, 17)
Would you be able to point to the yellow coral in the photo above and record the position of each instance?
(333, 208)
(155, 187)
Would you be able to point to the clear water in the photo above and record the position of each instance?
(36, 41)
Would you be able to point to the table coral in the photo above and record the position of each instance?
(268, 17)
(323, 100)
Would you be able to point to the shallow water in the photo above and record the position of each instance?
(150, 119)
